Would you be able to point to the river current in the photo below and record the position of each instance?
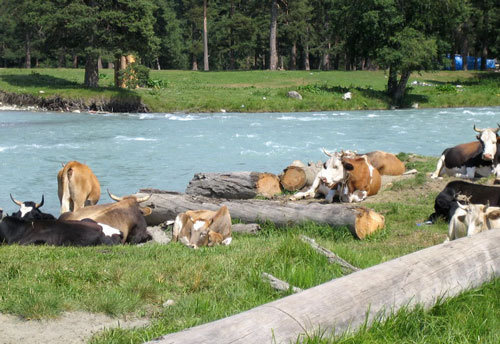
(132, 151)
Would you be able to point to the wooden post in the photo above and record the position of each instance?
(344, 304)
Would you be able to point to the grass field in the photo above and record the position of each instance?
(211, 283)
(263, 91)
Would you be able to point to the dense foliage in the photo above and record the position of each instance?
(402, 36)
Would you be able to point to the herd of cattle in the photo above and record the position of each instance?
(470, 208)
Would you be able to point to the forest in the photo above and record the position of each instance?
(401, 36)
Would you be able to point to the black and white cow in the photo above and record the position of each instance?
(473, 159)
(30, 210)
(14, 230)
(446, 204)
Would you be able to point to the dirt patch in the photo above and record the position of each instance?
(71, 327)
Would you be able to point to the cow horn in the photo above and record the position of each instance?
(327, 152)
(478, 130)
(38, 205)
(113, 197)
(19, 203)
(143, 199)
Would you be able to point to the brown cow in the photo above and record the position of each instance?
(387, 164)
(77, 186)
(360, 179)
(125, 215)
(197, 228)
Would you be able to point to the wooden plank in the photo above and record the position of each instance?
(345, 303)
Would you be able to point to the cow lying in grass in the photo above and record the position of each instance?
(197, 228)
(471, 219)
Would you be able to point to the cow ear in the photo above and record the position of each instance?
(494, 215)
(461, 218)
(348, 166)
(478, 137)
(146, 211)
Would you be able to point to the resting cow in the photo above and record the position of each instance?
(471, 219)
(387, 164)
(55, 232)
(126, 215)
(77, 186)
(30, 210)
(446, 201)
(197, 228)
(473, 159)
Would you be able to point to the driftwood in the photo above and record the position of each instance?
(332, 257)
(278, 284)
(234, 185)
(249, 228)
(360, 221)
(344, 304)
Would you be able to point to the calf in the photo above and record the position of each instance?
(55, 232)
(77, 186)
(468, 160)
(197, 228)
(471, 219)
(30, 210)
(445, 203)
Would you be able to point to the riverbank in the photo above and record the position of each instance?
(247, 91)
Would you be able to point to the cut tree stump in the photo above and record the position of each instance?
(348, 303)
(234, 185)
(293, 178)
(310, 170)
(360, 221)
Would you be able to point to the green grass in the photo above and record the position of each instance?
(262, 91)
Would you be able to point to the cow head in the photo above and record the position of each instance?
(30, 210)
(333, 171)
(488, 138)
(144, 210)
(478, 217)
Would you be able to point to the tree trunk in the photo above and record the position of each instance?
(400, 90)
(484, 56)
(392, 81)
(349, 303)
(99, 63)
(234, 185)
(91, 71)
(360, 221)
(307, 64)
(325, 62)
(293, 57)
(293, 178)
(75, 61)
(194, 65)
(61, 58)
(273, 50)
(453, 62)
(28, 51)
(232, 60)
(205, 38)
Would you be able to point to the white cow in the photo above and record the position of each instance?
(471, 219)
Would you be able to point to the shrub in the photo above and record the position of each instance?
(135, 75)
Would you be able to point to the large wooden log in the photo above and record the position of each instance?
(293, 178)
(361, 221)
(345, 303)
(234, 185)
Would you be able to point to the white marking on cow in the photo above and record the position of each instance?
(108, 230)
(198, 225)
(184, 240)
(371, 168)
(24, 210)
(489, 138)
(496, 170)
(227, 241)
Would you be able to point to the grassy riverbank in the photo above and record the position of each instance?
(211, 283)
(261, 91)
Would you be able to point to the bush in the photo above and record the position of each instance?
(135, 75)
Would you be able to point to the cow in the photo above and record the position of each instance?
(30, 210)
(387, 164)
(14, 230)
(77, 186)
(473, 159)
(470, 219)
(197, 228)
(445, 203)
(126, 215)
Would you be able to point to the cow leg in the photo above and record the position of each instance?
(65, 203)
(309, 193)
(439, 167)
(329, 197)
(358, 196)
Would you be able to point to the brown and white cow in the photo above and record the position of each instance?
(470, 219)
(77, 186)
(197, 228)
(387, 164)
(125, 215)
(468, 160)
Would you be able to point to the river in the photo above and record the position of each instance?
(132, 151)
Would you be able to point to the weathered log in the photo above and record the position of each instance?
(332, 257)
(293, 178)
(234, 185)
(360, 221)
(311, 170)
(249, 228)
(278, 284)
(344, 304)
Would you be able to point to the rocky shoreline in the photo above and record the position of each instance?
(56, 103)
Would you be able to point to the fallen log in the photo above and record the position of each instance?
(278, 284)
(332, 257)
(234, 185)
(293, 178)
(360, 221)
(249, 228)
(346, 303)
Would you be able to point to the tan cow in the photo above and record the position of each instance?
(360, 179)
(387, 164)
(197, 228)
(77, 186)
(126, 215)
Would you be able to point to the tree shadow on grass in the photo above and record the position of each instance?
(39, 80)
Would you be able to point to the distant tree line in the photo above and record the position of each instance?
(398, 35)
